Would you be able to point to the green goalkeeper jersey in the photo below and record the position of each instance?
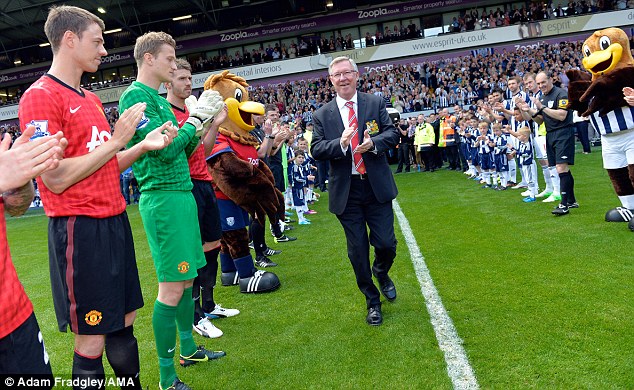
(165, 169)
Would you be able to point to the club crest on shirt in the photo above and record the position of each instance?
(373, 127)
(551, 104)
(144, 121)
(230, 221)
(41, 129)
(93, 317)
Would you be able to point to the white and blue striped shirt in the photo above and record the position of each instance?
(614, 121)
(525, 153)
(531, 104)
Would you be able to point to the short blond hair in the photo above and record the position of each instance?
(64, 18)
(524, 130)
(151, 42)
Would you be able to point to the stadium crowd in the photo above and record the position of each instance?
(432, 85)
(467, 20)
(416, 86)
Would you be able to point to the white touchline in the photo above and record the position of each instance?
(458, 367)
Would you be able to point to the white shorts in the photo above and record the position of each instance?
(539, 144)
(618, 149)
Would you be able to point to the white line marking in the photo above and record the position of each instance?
(29, 216)
(458, 367)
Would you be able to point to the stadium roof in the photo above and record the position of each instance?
(22, 21)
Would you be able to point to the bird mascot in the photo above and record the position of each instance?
(599, 95)
(244, 186)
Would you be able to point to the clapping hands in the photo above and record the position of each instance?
(628, 95)
(203, 109)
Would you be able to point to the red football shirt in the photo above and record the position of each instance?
(51, 106)
(197, 165)
(247, 153)
(15, 306)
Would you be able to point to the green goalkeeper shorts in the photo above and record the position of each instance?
(170, 219)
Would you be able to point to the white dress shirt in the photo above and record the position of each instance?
(344, 112)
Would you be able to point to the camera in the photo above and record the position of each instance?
(394, 115)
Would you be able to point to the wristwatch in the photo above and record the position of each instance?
(269, 136)
(538, 112)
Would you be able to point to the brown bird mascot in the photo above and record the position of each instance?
(244, 186)
(600, 96)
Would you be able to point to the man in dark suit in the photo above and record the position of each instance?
(353, 132)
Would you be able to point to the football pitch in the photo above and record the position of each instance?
(536, 301)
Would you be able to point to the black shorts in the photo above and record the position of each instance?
(560, 146)
(278, 175)
(22, 352)
(94, 276)
(208, 214)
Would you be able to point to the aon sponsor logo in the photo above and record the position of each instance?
(97, 138)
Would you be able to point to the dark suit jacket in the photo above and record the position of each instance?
(325, 146)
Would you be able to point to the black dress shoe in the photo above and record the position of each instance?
(375, 317)
(387, 288)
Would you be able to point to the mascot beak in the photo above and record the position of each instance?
(242, 113)
(602, 61)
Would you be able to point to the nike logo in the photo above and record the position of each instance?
(171, 350)
(180, 123)
(74, 110)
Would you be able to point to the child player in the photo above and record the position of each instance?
(310, 168)
(299, 179)
(525, 155)
(485, 155)
(499, 156)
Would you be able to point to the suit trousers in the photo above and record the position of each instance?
(363, 209)
(403, 157)
(452, 156)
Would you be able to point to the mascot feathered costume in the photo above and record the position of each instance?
(599, 95)
(242, 183)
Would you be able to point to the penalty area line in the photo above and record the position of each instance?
(458, 367)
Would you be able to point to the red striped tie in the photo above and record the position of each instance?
(354, 141)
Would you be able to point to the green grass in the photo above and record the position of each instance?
(540, 301)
